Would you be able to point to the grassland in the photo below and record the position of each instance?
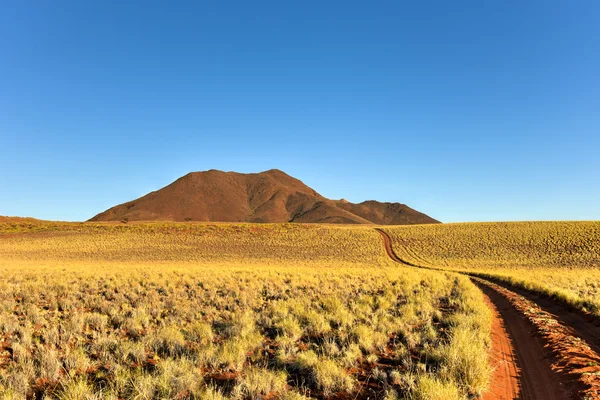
(164, 310)
(187, 243)
(559, 259)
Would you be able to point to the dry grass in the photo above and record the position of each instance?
(560, 259)
(191, 243)
(151, 311)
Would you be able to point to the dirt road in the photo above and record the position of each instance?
(540, 350)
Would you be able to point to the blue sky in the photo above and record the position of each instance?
(468, 110)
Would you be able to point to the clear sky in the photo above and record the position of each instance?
(465, 110)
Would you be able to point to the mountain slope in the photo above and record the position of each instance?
(270, 196)
(386, 213)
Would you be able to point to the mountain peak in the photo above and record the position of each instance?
(274, 171)
(268, 196)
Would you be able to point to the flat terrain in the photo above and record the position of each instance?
(244, 311)
(290, 311)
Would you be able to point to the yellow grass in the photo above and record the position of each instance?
(213, 311)
(560, 259)
(189, 243)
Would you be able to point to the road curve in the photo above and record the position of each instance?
(529, 355)
(387, 244)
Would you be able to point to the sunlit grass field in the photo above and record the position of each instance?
(560, 259)
(188, 243)
(229, 311)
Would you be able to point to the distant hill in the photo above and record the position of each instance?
(270, 196)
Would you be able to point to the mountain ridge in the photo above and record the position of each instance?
(268, 196)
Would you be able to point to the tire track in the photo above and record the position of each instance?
(522, 367)
(505, 380)
(537, 347)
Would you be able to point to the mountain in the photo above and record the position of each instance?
(270, 196)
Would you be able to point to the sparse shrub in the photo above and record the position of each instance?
(211, 393)
(465, 359)
(241, 325)
(76, 361)
(372, 358)
(429, 388)
(168, 342)
(369, 339)
(330, 377)
(379, 375)
(96, 321)
(19, 352)
(135, 352)
(292, 395)
(73, 326)
(78, 389)
(49, 365)
(391, 394)
(201, 333)
(143, 387)
(330, 348)
(306, 360)
(232, 354)
(286, 350)
(178, 379)
(23, 334)
(256, 383)
(315, 322)
(20, 376)
(290, 327)
(10, 394)
(395, 377)
(351, 355)
(106, 348)
(51, 336)
(132, 327)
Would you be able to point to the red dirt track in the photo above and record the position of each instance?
(540, 349)
(505, 381)
(518, 355)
